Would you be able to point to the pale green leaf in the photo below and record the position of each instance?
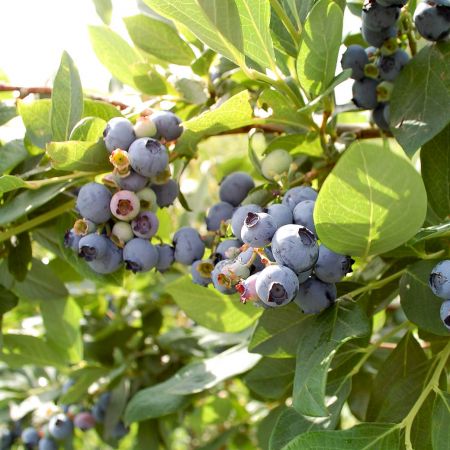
(441, 415)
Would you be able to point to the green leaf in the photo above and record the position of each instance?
(8, 300)
(419, 303)
(319, 47)
(373, 436)
(147, 436)
(88, 129)
(298, 10)
(276, 334)
(420, 99)
(10, 183)
(271, 377)
(100, 109)
(19, 256)
(21, 349)
(211, 309)
(36, 118)
(7, 113)
(319, 339)
(62, 324)
(114, 53)
(104, 10)
(403, 372)
(298, 144)
(159, 39)
(28, 201)
(79, 155)
(11, 155)
(67, 99)
(372, 202)
(441, 416)
(194, 18)
(435, 168)
(41, 283)
(421, 432)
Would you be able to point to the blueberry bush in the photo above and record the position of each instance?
(235, 258)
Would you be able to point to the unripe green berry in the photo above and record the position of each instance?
(276, 163)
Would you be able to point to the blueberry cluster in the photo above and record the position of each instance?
(440, 285)
(118, 218)
(432, 19)
(274, 256)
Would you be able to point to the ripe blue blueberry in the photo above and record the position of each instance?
(239, 216)
(355, 58)
(389, 66)
(296, 247)
(440, 279)
(304, 214)
(93, 246)
(139, 255)
(218, 213)
(331, 267)
(201, 271)
(168, 125)
(118, 133)
(110, 262)
(60, 427)
(365, 93)
(232, 273)
(314, 296)
(282, 214)
(93, 202)
(71, 240)
(7, 438)
(228, 249)
(432, 21)
(188, 246)
(84, 421)
(388, 3)
(445, 314)
(303, 276)
(251, 259)
(258, 229)
(297, 194)
(377, 37)
(148, 157)
(166, 193)
(133, 182)
(376, 17)
(165, 257)
(47, 443)
(100, 407)
(30, 437)
(217, 278)
(119, 431)
(145, 225)
(379, 115)
(235, 187)
(276, 285)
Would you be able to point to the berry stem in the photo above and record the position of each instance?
(377, 284)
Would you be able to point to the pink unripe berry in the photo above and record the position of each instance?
(125, 205)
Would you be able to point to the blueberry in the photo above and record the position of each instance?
(389, 66)
(355, 58)
(276, 163)
(165, 257)
(148, 157)
(84, 421)
(296, 247)
(331, 267)
(71, 240)
(440, 279)
(60, 427)
(100, 407)
(133, 182)
(6, 439)
(249, 254)
(118, 133)
(139, 255)
(167, 125)
(371, 51)
(93, 202)
(121, 233)
(303, 276)
(388, 3)
(445, 314)
(93, 246)
(297, 194)
(47, 443)
(247, 288)
(235, 187)
(217, 279)
(239, 216)
(228, 249)
(377, 37)
(145, 225)
(432, 21)
(218, 213)
(365, 93)
(144, 127)
(30, 437)
(282, 214)
(314, 296)
(119, 431)
(147, 198)
(201, 271)
(376, 17)
(303, 214)
(232, 273)
(166, 194)
(276, 285)
(125, 205)
(258, 229)
(379, 116)
(188, 245)
(110, 262)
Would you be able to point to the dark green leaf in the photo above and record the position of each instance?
(421, 306)
(373, 201)
(266, 425)
(422, 426)
(8, 300)
(7, 113)
(440, 418)
(19, 256)
(116, 406)
(67, 99)
(104, 10)
(10, 183)
(147, 436)
(420, 99)
(319, 339)
(12, 154)
(159, 39)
